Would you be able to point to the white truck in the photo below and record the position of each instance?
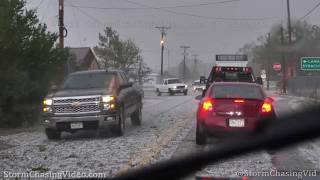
(172, 86)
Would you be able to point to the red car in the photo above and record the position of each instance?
(230, 107)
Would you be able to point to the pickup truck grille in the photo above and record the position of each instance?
(180, 87)
(75, 105)
(72, 100)
(80, 109)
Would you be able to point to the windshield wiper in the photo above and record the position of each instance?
(285, 131)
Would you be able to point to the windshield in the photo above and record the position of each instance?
(87, 81)
(174, 81)
(237, 91)
(196, 83)
(232, 76)
(97, 88)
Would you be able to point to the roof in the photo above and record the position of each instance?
(236, 83)
(80, 54)
(170, 78)
(95, 71)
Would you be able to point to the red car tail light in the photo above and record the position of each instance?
(207, 105)
(205, 108)
(266, 107)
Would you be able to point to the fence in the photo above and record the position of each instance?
(306, 86)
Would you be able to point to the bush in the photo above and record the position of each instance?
(29, 63)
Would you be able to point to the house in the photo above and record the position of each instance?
(82, 58)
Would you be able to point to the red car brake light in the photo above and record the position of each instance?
(239, 101)
(205, 108)
(207, 105)
(266, 107)
(217, 69)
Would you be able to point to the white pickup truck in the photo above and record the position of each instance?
(172, 86)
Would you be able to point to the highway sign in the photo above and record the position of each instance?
(310, 63)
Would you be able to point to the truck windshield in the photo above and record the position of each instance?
(174, 81)
(86, 81)
(237, 91)
(196, 83)
(232, 76)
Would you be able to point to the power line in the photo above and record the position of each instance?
(77, 23)
(200, 16)
(88, 15)
(152, 8)
(311, 10)
(94, 18)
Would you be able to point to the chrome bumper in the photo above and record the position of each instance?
(102, 120)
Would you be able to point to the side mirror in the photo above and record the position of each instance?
(259, 81)
(199, 97)
(203, 80)
(129, 84)
(269, 99)
(131, 80)
(54, 88)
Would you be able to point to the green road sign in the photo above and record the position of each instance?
(310, 63)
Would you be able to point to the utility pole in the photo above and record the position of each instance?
(290, 37)
(61, 24)
(184, 60)
(163, 33)
(195, 62)
(289, 22)
(268, 63)
(284, 83)
(140, 70)
(168, 59)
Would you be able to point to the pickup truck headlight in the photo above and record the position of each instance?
(108, 102)
(174, 87)
(107, 99)
(47, 102)
(186, 86)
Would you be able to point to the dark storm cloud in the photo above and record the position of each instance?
(208, 29)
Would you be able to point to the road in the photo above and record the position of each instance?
(168, 131)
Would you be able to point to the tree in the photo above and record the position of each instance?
(29, 62)
(266, 51)
(116, 53)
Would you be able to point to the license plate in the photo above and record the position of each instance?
(236, 122)
(76, 125)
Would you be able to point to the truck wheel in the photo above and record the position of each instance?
(171, 92)
(121, 123)
(201, 137)
(53, 134)
(136, 117)
(185, 93)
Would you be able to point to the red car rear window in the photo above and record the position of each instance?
(232, 76)
(237, 91)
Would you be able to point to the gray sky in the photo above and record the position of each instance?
(208, 27)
